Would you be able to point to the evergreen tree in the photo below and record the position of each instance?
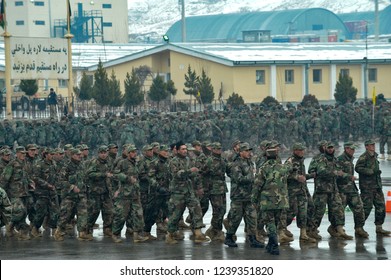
(84, 91)
(205, 88)
(158, 90)
(310, 100)
(29, 87)
(171, 87)
(235, 100)
(191, 82)
(345, 92)
(270, 101)
(133, 92)
(101, 86)
(116, 99)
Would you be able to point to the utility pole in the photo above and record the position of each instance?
(183, 22)
(376, 20)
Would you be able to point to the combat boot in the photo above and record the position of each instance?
(210, 232)
(218, 236)
(272, 245)
(314, 234)
(90, 234)
(199, 237)
(254, 243)
(304, 237)
(83, 236)
(129, 231)
(116, 238)
(381, 231)
(343, 234)
(332, 231)
(58, 235)
(229, 240)
(139, 238)
(149, 236)
(10, 230)
(178, 235)
(36, 232)
(260, 237)
(24, 235)
(107, 232)
(282, 238)
(183, 225)
(360, 232)
(287, 232)
(170, 239)
(161, 227)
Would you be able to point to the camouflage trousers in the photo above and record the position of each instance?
(96, 204)
(384, 139)
(239, 210)
(70, 206)
(150, 210)
(177, 205)
(20, 209)
(46, 205)
(219, 208)
(374, 197)
(271, 218)
(335, 209)
(5, 208)
(353, 200)
(127, 209)
(298, 207)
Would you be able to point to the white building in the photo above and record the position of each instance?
(92, 21)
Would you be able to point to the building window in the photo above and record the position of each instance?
(372, 75)
(106, 6)
(20, 22)
(107, 24)
(39, 22)
(260, 77)
(344, 72)
(289, 77)
(317, 75)
(39, 3)
(18, 3)
(62, 83)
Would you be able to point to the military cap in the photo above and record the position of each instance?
(155, 144)
(164, 148)
(206, 143)
(112, 146)
(322, 143)
(20, 149)
(272, 144)
(216, 145)
(31, 147)
(59, 151)
(84, 147)
(369, 142)
(78, 146)
(298, 146)
(103, 148)
(245, 147)
(5, 152)
(68, 147)
(196, 143)
(236, 142)
(330, 144)
(147, 147)
(5, 147)
(75, 151)
(50, 151)
(131, 148)
(264, 143)
(350, 145)
(189, 147)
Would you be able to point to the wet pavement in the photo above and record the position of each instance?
(103, 248)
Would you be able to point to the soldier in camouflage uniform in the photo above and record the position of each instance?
(45, 178)
(182, 171)
(242, 179)
(385, 135)
(215, 167)
(367, 166)
(298, 192)
(16, 183)
(148, 189)
(127, 203)
(271, 193)
(74, 197)
(31, 160)
(326, 193)
(348, 189)
(100, 192)
(5, 208)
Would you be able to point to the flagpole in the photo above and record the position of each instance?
(69, 37)
(373, 110)
(7, 54)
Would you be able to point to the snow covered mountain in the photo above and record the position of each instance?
(150, 19)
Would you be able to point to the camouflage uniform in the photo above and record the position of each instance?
(73, 195)
(367, 166)
(348, 189)
(100, 192)
(163, 182)
(5, 208)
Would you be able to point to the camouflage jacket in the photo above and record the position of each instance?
(270, 190)
(368, 169)
(125, 170)
(326, 174)
(345, 184)
(242, 179)
(44, 173)
(313, 167)
(71, 175)
(98, 181)
(162, 176)
(5, 208)
(181, 176)
(215, 168)
(298, 168)
(147, 174)
(15, 179)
